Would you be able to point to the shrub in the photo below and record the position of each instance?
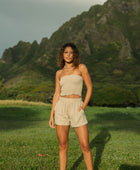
(113, 96)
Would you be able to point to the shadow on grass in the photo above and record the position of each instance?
(129, 167)
(17, 117)
(99, 142)
(117, 121)
(113, 120)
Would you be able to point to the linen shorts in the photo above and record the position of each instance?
(66, 112)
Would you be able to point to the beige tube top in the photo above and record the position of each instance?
(71, 84)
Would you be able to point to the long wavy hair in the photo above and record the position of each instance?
(76, 55)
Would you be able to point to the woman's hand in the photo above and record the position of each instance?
(51, 122)
(80, 109)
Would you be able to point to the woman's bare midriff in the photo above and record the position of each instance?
(72, 96)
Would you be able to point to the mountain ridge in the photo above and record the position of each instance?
(108, 40)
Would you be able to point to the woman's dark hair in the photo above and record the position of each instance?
(76, 59)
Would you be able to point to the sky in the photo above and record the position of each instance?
(30, 20)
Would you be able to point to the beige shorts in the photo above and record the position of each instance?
(66, 112)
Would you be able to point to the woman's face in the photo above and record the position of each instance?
(68, 55)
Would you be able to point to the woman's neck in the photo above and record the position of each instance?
(67, 66)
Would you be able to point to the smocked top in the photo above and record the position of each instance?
(71, 84)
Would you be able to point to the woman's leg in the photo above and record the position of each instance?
(82, 133)
(62, 134)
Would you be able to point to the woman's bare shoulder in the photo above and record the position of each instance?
(82, 67)
(58, 73)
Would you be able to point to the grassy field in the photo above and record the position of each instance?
(24, 134)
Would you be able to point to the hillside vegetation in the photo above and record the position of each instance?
(109, 43)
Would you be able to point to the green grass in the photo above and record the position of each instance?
(114, 135)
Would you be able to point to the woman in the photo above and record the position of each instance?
(67, 106)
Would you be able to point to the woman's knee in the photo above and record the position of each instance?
(63, 146)
(85, 147)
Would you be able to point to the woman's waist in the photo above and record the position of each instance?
(71, 96)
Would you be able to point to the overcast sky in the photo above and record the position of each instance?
(30, 20)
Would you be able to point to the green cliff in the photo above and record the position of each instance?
(108, 38)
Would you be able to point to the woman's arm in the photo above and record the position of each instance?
(55, 99)
(88, 83)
